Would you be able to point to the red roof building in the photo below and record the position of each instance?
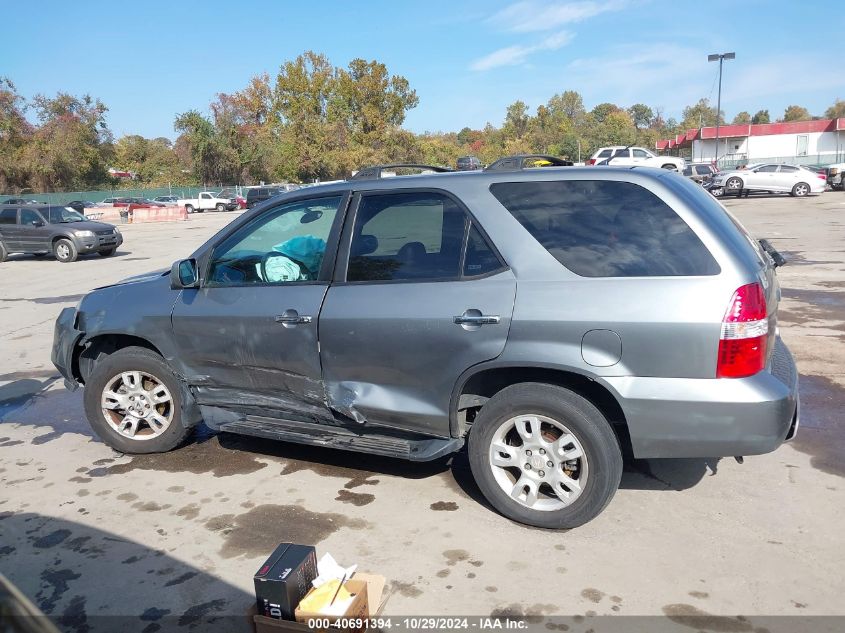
(804, 142)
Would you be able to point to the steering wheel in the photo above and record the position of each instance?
(275, 268)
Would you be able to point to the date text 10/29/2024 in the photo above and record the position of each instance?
(425, 623)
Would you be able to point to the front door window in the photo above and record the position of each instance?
(285, 245)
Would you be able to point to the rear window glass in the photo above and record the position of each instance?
(8, 216)
(603, 228)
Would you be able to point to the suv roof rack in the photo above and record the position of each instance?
(518, 162)
(375, 172)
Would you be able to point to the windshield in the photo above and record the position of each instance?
(59, 215)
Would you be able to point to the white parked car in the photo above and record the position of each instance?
(207, 200)
(793, 179)
(622, 156)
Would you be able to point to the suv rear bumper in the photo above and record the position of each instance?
(687, 417)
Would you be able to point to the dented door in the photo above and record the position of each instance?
(248, 337)
(253, 349)
(392, 353)
(420, 296)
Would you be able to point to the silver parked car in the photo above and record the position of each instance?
(778, 178)
(548, 319)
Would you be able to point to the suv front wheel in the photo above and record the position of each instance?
(544, 456)
(134, 402)
(65, 251)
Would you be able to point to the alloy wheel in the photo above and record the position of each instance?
(137, 405)
(538, 462)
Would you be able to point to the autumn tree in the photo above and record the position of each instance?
(836, 111)
(743, 118)
(68, 150)
(15, 133)
(796, 113)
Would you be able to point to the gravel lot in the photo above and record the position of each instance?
(181, 534)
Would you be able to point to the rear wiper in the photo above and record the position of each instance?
(777, 258)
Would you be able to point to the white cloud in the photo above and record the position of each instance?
(518, 54)
(535, 15)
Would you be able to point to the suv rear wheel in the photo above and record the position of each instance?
(134, 402)
(544, 456)
(65, 251)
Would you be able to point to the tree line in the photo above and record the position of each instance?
(311, 121)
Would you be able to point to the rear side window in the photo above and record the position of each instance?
(9, 216)
(603, 228)
(407, 236)
(604, 153)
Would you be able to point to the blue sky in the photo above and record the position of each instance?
(467, 59)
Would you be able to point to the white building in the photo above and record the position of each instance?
(801, 142)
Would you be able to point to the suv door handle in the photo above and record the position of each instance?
(291, 317)
(477, 319)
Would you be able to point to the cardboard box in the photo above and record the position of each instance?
(374, 595)
(358, 609)
(284, 579)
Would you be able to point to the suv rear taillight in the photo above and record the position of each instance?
(592, 161)
(745, 328)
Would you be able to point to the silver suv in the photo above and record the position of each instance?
(549, 319)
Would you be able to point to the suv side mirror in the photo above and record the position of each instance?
(37, 223)
(183, 274)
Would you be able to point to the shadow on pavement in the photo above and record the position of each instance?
(87, 580)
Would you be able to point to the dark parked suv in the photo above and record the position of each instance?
(551, 319)
(62, 231)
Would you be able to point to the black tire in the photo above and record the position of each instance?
(220, 208)
(39, 255)
(134, 359)
(734, 184)
(189, 208)
(582, 419)
(4, 254)
(800, 190)
(108, 252)
(669, 166)
(65, 251)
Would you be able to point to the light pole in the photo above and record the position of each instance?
(712, 58)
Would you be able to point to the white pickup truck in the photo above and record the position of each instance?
(207, 200)
(619, 155)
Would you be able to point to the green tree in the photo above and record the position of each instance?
(516, 120)
(743, 118)
(641, 115)
(569, 104)
(836, 111)
(603, 110)
(211, 159)
(796, 113)
(700, 114)
(761, 116)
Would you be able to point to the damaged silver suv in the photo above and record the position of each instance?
(551, 319)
